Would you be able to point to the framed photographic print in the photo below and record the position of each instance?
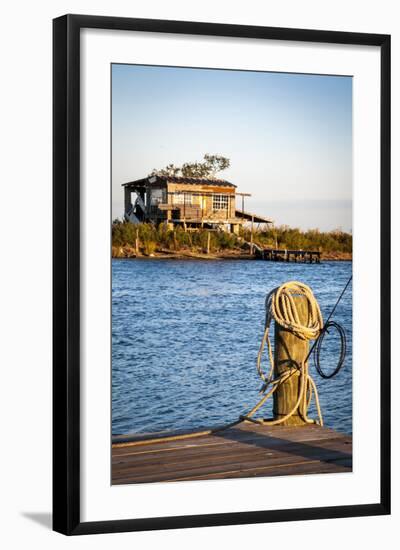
(221, 274)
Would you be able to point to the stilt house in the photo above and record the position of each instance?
(190, 202)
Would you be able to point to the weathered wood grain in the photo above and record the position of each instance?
(247, 450)
(290, 351)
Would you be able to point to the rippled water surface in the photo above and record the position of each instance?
(185, 336)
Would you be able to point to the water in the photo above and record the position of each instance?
(185, 336)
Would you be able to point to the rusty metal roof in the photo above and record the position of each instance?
(180, 179)
(251, 217)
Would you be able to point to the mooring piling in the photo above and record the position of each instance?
(289, 353)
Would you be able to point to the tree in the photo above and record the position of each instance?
(211, 165)
(216, 163)
(170, 170)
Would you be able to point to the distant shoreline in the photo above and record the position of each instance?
(147, 241)
(128, 253)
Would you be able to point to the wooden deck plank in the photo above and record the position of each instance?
(242, 451)
(278, 466)
(229, 450)
(221, 465)
(297, 468)
(246, 432)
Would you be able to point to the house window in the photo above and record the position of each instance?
(157, 196)
(182, 198)
(220, 202)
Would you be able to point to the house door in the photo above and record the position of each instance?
(203, 204)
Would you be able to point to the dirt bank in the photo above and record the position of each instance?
(234, 254)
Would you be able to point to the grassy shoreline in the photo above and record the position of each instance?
(145, 241)
(127, 253)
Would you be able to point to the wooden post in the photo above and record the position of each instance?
(290, 351)
(127, 200)
(251, 237)
(208, 243)
(137, 242)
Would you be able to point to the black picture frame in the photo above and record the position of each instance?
(66, 273)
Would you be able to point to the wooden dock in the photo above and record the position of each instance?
(283, 255)
(246, 450)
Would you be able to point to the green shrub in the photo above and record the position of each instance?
(152, 237)
(149, 247)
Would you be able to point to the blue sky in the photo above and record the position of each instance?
(288, 136)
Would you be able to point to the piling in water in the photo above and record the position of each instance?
(290, 351)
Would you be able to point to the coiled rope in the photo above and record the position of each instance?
(281, 307)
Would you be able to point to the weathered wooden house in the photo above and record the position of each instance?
(190, 202)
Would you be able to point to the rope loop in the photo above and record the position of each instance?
(284, 310)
